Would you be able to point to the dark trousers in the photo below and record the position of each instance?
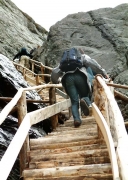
(77, 88)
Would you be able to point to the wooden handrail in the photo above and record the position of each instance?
(18, 140)
(108, 139)
(12, 152)
(44, 113)
(41, 114)
(6, 110)
(122, 137)
(37, 62)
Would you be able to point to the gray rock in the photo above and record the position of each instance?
(17, 29)
(102, 34)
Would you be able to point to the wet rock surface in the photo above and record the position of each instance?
(11, 80)
(17, 29)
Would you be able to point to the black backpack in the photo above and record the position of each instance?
(71, 59)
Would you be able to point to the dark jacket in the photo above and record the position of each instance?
(90, 69)
(22, 52)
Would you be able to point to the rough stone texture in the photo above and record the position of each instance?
(17, 29)
(103, 34)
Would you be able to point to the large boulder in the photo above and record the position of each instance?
(102, 34)
(17, 29)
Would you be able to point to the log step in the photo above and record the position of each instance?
(87, 132)
(89, 171)
(85, 121)
(61, 139)
(66, 149)
(71, 155)
(69, 162)
(86, 177)
(67, 144)
(72, 131)
(62, 128)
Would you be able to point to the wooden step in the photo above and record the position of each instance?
(88, 171)
(67, 144)
(86, 177)
(62, 127)
(61, 139)
(82, 132)
(78, 154)
(86, 120)
(69, 162)
(73, 131)
(66, 149)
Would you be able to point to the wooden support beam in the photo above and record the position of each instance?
(118, 85)
(52, 99)
(22, 111)
(37, 80)
(42, 71)
(121, 96)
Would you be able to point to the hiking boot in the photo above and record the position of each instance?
(85, 108)
(77, 123)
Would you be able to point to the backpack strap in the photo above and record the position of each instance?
(67, 55)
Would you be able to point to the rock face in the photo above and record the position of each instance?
(10, 81)
(102, 34)
(17, 30)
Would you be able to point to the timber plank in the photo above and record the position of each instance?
(88, 132)
(61, 139)
(72, 131)
(86, 177)
(69, 162)
(81, 170)
(78, 154)
(62, 127)
(85, 120)
(66, 149)
(67, 144)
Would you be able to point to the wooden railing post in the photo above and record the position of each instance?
(97, 89)
(22, 111)
(37, 80)
(42, 72)
(32, 66)
(52, 100)
(24, 72)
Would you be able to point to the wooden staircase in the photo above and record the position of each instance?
(84, 153)
(69, 153)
